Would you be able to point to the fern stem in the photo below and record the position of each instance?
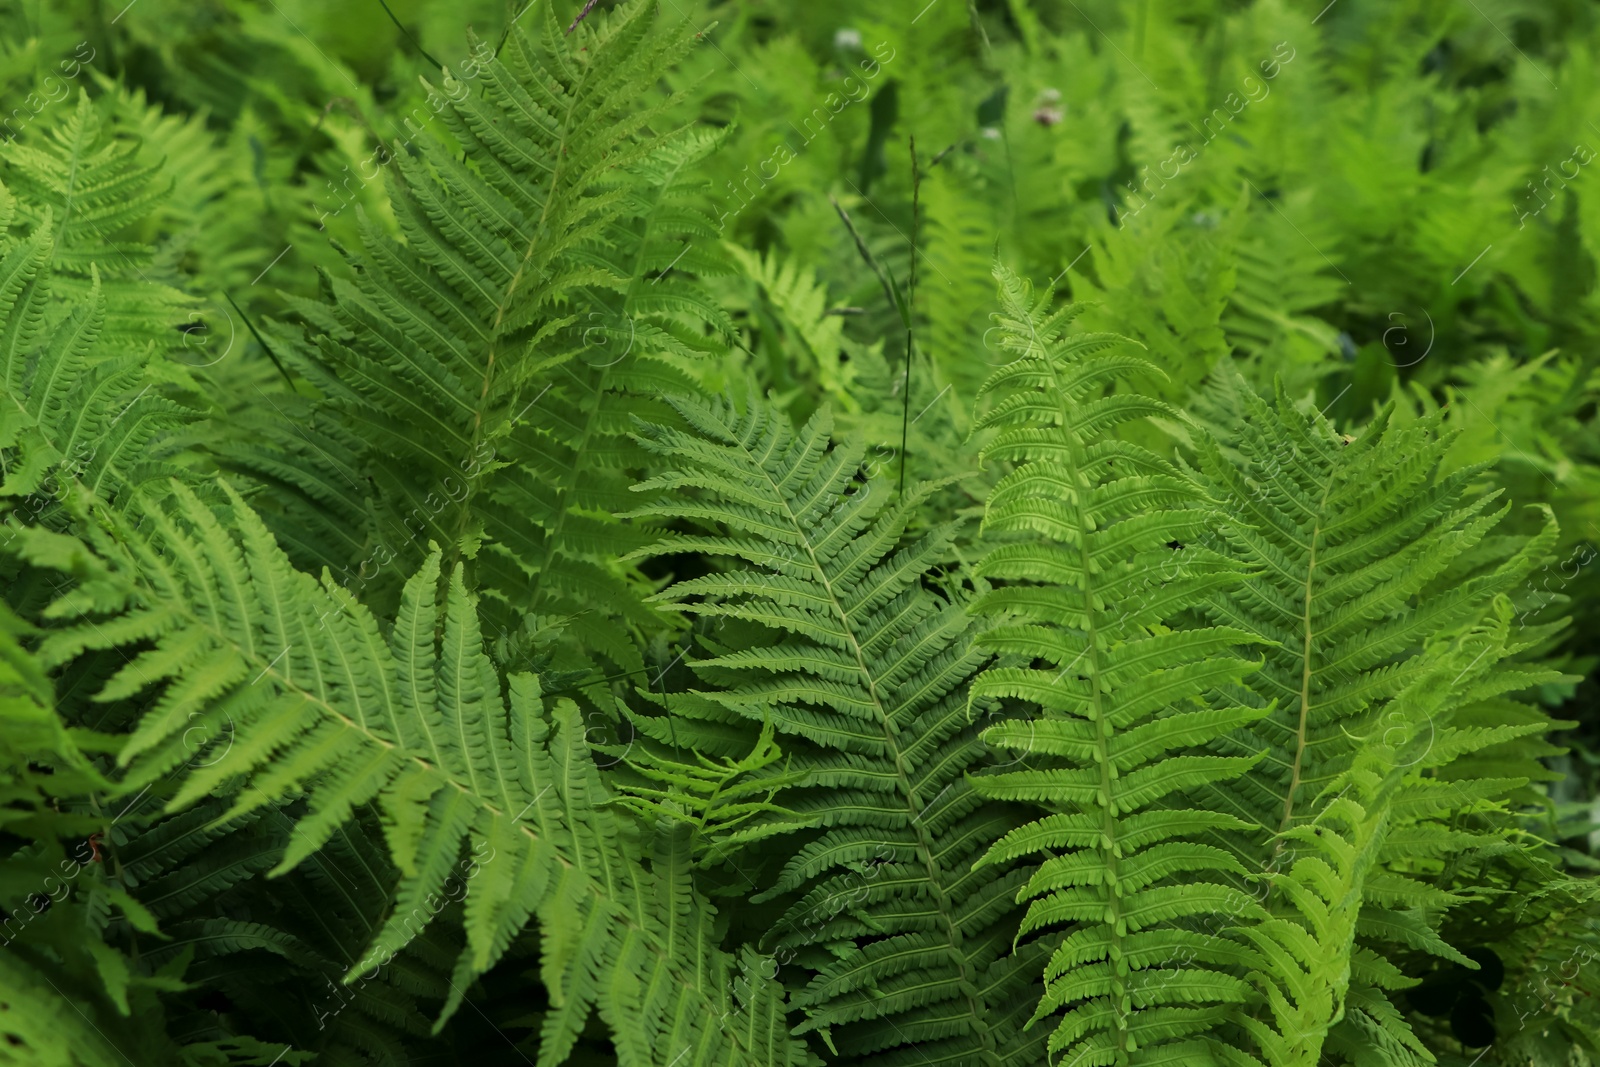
(588, 7)
(1305, 666)
(911, 306)
(262, 341)
(407, 35)
(1108, 819)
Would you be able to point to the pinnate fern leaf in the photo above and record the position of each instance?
(484, 796)
(861, 670)
(1107, 557)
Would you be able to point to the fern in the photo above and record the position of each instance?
(1122, 696)
(1358, 547)
(1371, 551)
(320, 701)
(1312, 969)
(799, 314)
(489, 363)
(433, 638)
(90, 197)
(728, 803)
(1345, 535)
(277, 950)
(76, 993)
(1551, 988)
(79, 407)
(862, 671)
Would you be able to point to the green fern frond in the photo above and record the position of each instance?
(90, 196)
(1337, 886)
(1345, 536)
(799, 314)
(43, 1023)
(1362, 552)
(76, 406)
(841, 649)
(1551, 985)
(483, 796)
(490, 361)
(728, 803)
(71, 992)
(1081, 610)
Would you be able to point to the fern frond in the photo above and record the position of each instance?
(491, 359)
(1337, 886)
(727, 803)
(83, 367)
(91, 197)
(1081, 609)
(1345, 537)
(72, 994)
(842, 650)
(1363, 551)
(483, 796)
(1551, 985)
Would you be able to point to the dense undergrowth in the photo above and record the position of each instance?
(699, 533)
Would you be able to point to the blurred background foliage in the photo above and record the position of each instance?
(1382, 202)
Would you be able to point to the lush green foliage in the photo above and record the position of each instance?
(1005, 532)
